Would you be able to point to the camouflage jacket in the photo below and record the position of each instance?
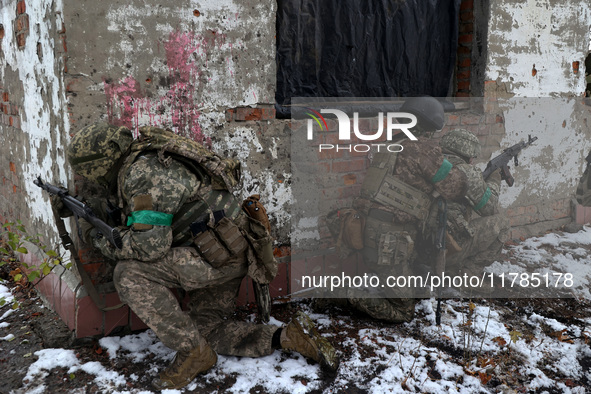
(149, 186)
(482, 197)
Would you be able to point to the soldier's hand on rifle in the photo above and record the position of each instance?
(88, 231)
(494, 178)
(101, 243)
(60, 208)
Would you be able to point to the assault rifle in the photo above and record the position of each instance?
(440, 246)
(83, 211)
(503, 159)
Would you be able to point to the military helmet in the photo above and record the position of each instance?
(428, 110)
(95, 149)
(461, 142)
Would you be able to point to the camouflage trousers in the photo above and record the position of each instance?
(490, 232)
(389, 304)
(212, 292)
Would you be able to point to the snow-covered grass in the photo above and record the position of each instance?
(481, 346)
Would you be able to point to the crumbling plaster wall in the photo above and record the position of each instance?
(33, 127)
(182, 65)
(533, 47)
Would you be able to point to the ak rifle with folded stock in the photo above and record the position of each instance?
(501, 161)
(83, 211)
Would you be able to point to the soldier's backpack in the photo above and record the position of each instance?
(583, 193)
(224, 172)
(225, 176)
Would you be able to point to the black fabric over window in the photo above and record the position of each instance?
(368, 48)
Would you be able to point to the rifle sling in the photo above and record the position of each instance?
(69, 245)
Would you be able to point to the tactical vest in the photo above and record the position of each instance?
(382, 187)
(218, 177)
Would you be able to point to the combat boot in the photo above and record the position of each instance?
(185, 367)
(301, 336)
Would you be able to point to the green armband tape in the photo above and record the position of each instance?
(484, 199)
(442, 171)
(150, 217)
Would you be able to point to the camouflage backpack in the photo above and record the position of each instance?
(224, 172)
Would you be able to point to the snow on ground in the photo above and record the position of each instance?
(478, 343)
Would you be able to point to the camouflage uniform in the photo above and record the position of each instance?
(473, 223)
(422, 173)
(416, 166)
(147, 267)
(185, 230)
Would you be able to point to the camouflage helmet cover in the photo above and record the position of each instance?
(95, 149)
(461, 142)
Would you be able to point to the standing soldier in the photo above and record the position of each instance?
(183, 228)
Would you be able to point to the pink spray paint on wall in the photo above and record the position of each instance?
(177, 109)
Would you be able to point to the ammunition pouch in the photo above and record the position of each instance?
(392, 241)
(346, 226)
(262, 266)
(220, 244)
(395, 248)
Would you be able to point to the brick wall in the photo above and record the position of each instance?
(11, 197)
(464, 53)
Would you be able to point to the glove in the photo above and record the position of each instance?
(87, 230)
(58, 205)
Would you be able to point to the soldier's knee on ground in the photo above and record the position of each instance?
(392, 310)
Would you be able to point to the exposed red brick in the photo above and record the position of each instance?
(21, 7)
(12, 167)
(467, 5)
(247, 113)
(452, 120)
(1, 31)
(350, 179)
(464, 85)
(22, 23)
(282, 251)
(467, 16)
(466, 28)
(465, 62)
(464, 50)
(21, 40)
(349, 166)
(464, 74)
(329, 154)
(465, 38)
